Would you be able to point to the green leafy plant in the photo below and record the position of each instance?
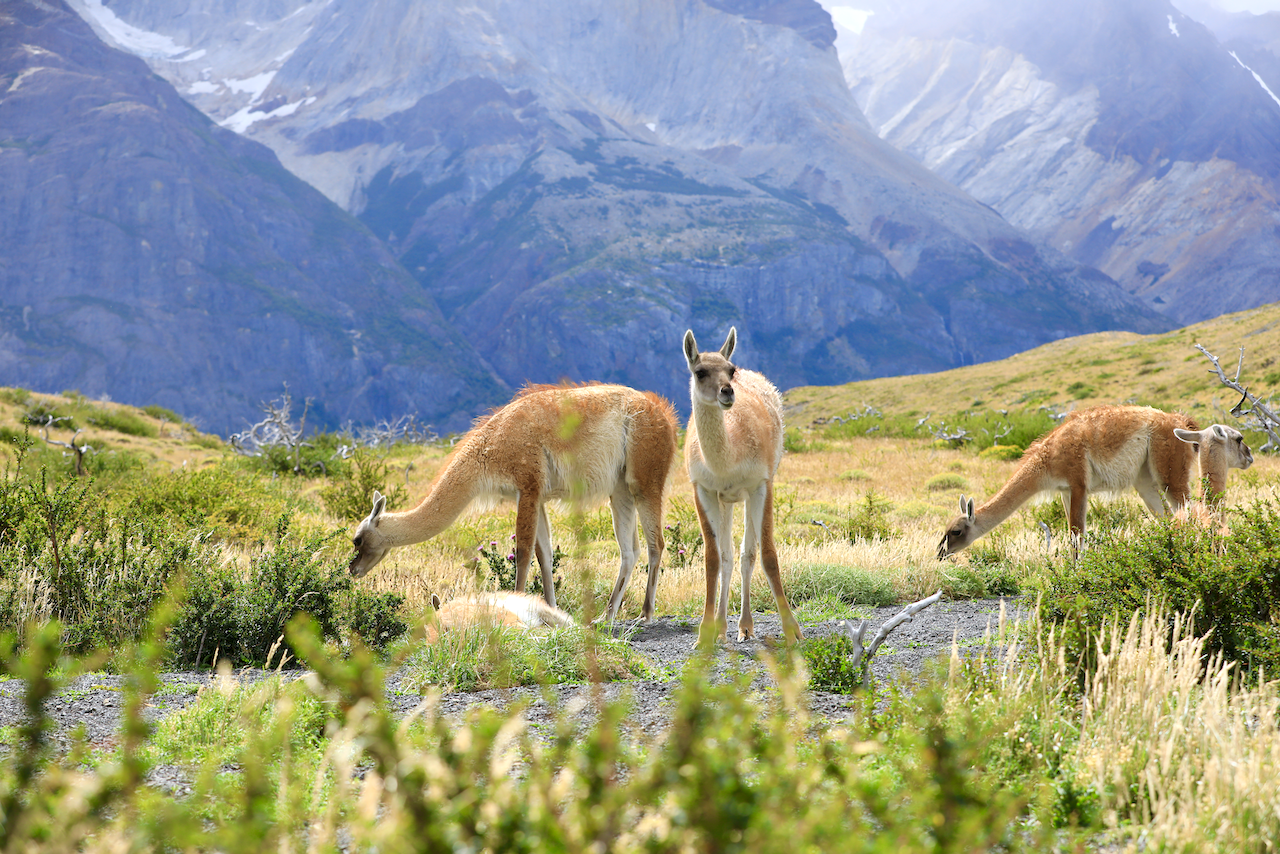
(348, 494)
(869, 519)
(830, 664)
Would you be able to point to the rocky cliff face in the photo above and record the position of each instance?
(148, 255)
(576, 182)
(1122, 133)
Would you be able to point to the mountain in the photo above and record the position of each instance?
(1121, 132)
(576, 183)
(148, 255)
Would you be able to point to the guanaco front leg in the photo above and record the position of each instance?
(709, 630)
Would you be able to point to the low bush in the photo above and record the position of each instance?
(946, 482)
(869, 519)
(830, 665)
(162, 414)
(1231, 583)
(121, 421)
(1004, 453)
(349, 493)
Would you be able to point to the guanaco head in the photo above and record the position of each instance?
(1219, 448)
(962, 531)
(712, 381)
(370, 544)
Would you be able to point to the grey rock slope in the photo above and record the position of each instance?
(1121, 132)
(148, 255)
(576, 182)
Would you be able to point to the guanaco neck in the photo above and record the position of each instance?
(1212, 477)
(449, 496)
(1025, 483)
(713, 436)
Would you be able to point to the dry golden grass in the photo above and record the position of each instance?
(1180, 756)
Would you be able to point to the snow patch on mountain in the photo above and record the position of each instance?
(137, 41)
(1256, 76)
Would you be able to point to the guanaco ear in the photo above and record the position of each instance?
(435, 601)
(730, 342)
(379, 504)
(690, 349)
(1191, 437)
(1220, 432)
(968, 512)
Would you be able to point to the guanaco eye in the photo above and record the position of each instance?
(700, 374)
(732, 371)
(357, 541)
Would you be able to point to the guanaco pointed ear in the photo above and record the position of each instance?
(435, 601)
(969, 510)
(690, 349)
(1191, 437)
(962, 504)
(1220, 432)
(730, 342)
(379, 504)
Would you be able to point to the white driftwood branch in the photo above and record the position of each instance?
(1264, 418)
(857, 635)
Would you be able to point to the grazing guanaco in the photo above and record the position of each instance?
(579, 443)
(732, 451)
(1109, 448)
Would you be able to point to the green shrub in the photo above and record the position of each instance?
(831, 667)
(1004, 453)
(1232, 582)
(946, 481)
(15, 396)
(162, 414)
(121, 421)
(349, 493)
(285, 580)
(41, 414)
(205, 629)
(869, 520)
(228, 501)
(375, 618)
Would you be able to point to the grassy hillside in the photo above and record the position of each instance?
(1165, 371)
(114, 431)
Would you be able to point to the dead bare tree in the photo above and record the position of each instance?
(955, 436)
(76, 450)
(862, 656)
(1260, 415)
(277, 430)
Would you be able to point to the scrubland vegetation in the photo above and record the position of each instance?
(1137, 709)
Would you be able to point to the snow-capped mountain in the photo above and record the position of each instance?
(1121, 132)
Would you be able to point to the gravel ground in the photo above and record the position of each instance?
(95, 701)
